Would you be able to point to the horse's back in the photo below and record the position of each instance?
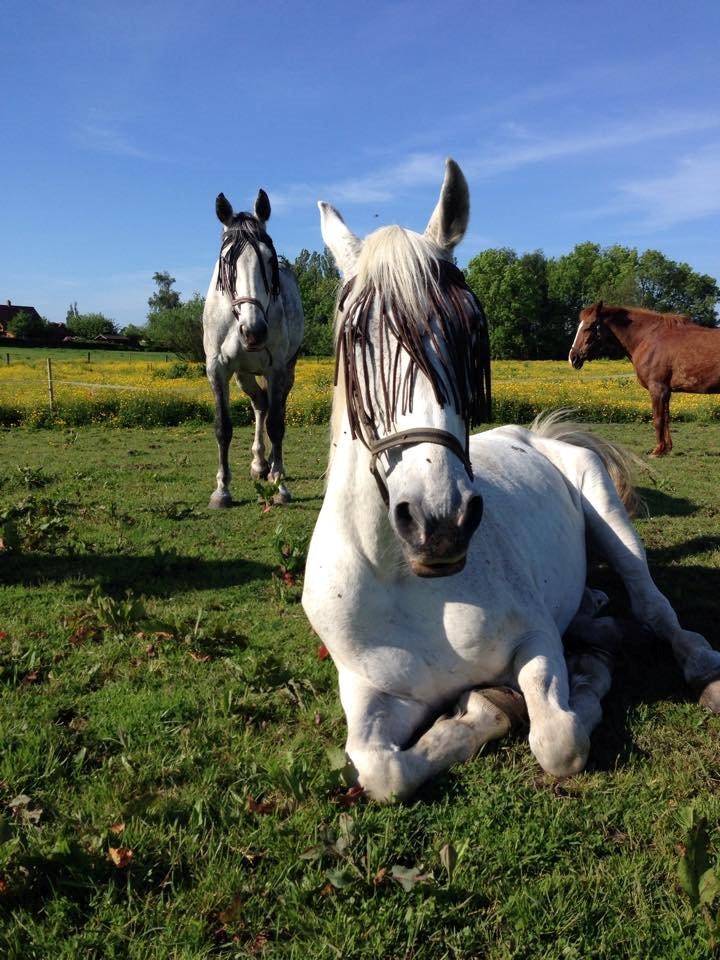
(293, 310)
(532, 508)
(685, 357)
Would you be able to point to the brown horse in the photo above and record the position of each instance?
(669, 352)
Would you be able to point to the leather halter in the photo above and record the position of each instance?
(238, 300)
(409, 438)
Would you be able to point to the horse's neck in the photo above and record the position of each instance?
(360, 515)
(631, 334)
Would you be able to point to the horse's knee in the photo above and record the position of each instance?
(561, 745)
(710, 696)
(382, 774)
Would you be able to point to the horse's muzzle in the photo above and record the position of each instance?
(253, 337)
(575, 359)
(436, 546)
(444, 569)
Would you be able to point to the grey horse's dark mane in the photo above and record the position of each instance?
(243, 230)
(447, 342)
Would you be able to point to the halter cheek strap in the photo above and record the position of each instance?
(409, 438)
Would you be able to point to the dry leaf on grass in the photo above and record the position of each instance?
(322, 652)
(352, 796)
(255, 807)
(120, 856)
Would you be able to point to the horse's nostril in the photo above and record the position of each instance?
(470, 519)
(403, 518)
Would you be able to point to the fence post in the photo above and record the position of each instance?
(51, 396)
(88, 359)
(7, 358)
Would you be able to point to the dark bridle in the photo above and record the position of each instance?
(246, 229)
(448, 344)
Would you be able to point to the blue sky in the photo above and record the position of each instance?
(121, 122)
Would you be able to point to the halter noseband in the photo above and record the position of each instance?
(409, 438)
(253, 300)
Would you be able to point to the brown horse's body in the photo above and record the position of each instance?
(669, 352)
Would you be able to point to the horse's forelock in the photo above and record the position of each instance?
(244, 229)
(408, 295)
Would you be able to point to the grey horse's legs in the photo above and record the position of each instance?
(218, 378)
(279, 386)
(259, 467)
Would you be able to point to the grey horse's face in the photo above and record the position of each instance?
(248, 269)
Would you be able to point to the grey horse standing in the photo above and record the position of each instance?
(252, 328)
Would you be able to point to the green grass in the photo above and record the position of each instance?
(168, 713)
(79, 354)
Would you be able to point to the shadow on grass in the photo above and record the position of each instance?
(661, 504)
(646, 672)
(150, 575)
(77, 875)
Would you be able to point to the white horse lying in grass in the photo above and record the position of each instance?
(423, 608)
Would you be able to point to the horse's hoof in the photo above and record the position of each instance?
(710, 697)
(260, 473)
(220, 500)
(282, 497)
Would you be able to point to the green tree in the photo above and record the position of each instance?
(89, 325)
(513, 291)
(28, 326)
(134, 332)
(164, 298)
(676, 288)
(319, 282)
(179, 329)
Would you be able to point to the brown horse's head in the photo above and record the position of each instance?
(590, 336)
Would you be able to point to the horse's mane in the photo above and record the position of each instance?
(408, 298)
(243, 230)
(626, 315)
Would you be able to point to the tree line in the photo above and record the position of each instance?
(532, 301)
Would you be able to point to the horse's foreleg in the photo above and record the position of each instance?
(660, 396)
(667, 437)
(611, 530)
(380, 727)
(279, 386)
(218, 378)
(590, 643)
(558, 737)
(259, 399)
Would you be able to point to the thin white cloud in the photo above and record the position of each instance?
(381, 185)
(105, 139)
(510, 157)
(690, 192)
(518, 149)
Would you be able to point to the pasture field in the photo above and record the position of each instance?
(171, 784)
(141, 389)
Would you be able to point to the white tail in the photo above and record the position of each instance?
(620, 463)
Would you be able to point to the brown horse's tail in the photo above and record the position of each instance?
(620, 463)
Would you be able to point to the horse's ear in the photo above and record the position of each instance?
(340, 241)
(449, 221)
(262, 206)
(223, 209)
